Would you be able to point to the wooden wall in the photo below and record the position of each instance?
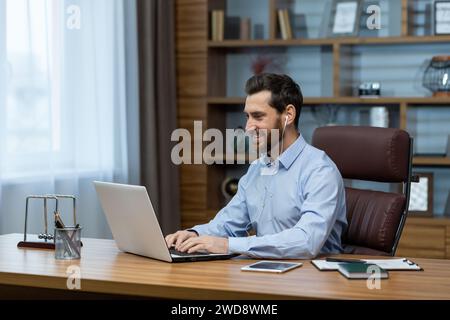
(191, 55)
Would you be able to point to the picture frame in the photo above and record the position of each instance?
(421, 196)
(447, 206)
(441, 17)
(345, 18)
(447, 149)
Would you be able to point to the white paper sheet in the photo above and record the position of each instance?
(387, 264)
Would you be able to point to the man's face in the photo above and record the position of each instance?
(261, 118)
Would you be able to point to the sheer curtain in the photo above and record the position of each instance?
(68, 106)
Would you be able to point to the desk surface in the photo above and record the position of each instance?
(106, 270)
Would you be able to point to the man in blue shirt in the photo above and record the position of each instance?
(299, 210)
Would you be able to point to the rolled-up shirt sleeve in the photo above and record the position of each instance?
(232, 221)
(322, 190)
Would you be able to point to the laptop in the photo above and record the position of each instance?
(134, 225)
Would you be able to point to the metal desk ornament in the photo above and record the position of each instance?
(47, 239)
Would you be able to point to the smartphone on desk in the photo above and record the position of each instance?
(272, 266)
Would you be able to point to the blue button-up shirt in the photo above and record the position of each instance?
(296, 206)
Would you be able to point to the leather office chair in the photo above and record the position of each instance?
(375, 219)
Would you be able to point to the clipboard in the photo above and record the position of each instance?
(398, 264)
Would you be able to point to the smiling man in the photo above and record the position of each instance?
(297, 211)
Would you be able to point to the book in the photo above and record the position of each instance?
(400, 264)
(258, 31)
(282, 24)
(298, 24)
(220, 25)
(213, 25)
(447, 150)
(232, 28)
(217, 25)
(287, 22)
(361, 270)
(447, 207)
(245, 29)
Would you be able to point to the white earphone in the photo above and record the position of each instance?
(282, 134)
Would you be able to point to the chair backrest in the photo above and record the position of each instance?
(375, 218)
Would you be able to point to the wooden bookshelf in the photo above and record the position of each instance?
(202, 92)
(425, 237)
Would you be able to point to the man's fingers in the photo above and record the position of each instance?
(196, 248)
(183, 236)
(170, 239)
(167, 239)
(185, 245)
(189, 243)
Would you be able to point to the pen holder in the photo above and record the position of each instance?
(68, 243)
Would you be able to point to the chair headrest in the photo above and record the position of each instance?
(366, 153)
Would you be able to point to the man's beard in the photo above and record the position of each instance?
(274, 147)
(268, 143)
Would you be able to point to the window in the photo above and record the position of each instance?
(62, 108)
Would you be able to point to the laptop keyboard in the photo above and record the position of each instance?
(185, 254)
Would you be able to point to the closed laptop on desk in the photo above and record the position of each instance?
(134, 225)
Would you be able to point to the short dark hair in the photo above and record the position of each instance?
(284, 91)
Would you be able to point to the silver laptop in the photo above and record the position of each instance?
(134, 225)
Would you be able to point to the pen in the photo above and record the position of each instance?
(68, 243)
(348, 260)
(411, 263)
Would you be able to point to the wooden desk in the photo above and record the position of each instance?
(105, 270)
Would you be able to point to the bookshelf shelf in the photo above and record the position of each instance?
(344, 100)
(328, 41)
(239, 159)
(431, 161)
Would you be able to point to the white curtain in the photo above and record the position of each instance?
(68, 106)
